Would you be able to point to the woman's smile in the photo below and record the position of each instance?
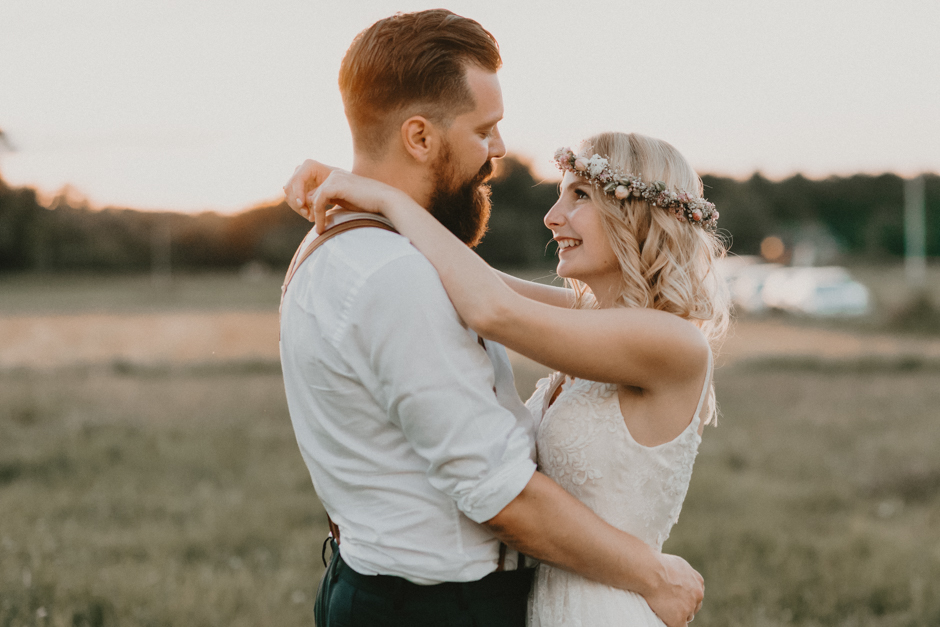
(564, 243)
(584, 251)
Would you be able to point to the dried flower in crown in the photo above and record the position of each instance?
(687, 208)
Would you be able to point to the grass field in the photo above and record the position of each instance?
(177, 496)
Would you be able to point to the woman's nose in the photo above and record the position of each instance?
(554, 218)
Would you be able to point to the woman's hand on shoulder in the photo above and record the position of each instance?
(306, 178)
(324, 186)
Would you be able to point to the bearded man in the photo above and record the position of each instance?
(418, 445)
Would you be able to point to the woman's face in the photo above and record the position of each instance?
(584, 252)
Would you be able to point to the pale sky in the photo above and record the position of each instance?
(209, 104)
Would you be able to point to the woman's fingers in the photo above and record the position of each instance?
(294, 188)
(346, 190)
(322, 199)
(307, 176)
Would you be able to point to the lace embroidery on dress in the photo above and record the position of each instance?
(567, 459)
(584, 445)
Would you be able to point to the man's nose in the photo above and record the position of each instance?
(497, 146)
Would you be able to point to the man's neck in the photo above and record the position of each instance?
(412, 181)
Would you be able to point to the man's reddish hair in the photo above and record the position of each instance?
(411, 64)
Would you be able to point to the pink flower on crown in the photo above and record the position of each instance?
(686, 207)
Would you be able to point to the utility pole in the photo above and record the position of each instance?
(915, 234)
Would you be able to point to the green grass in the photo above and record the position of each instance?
(153, 500)
(817, 500)
(180, 498)
(158, 497)
(81, 293)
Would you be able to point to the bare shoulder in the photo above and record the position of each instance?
(634, 347)
(667, 341)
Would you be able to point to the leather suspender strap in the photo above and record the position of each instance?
(333, 231)
(334, 530)
(300, 257)
(330, 233)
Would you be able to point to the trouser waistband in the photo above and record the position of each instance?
(497, 584)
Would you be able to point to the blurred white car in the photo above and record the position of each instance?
(827, 291)
(746, 278)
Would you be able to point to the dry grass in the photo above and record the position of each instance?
(153, 500)
(816, 502)
(160, 490)
(50, 294)
(180, 498)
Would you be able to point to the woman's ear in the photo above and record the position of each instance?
(421, 138)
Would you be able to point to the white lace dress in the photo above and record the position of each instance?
(584, 445)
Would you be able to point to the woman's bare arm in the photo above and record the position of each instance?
(632, 347)
(548, 294)
(310, 174)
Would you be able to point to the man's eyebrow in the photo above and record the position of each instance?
(491, 122)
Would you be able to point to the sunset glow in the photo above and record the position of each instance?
(210, 105)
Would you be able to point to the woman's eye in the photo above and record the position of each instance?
(580, 194)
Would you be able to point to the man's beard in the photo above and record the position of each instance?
(464, 208)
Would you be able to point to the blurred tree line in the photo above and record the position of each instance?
(864, 215)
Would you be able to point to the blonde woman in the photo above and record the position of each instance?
(632, 339)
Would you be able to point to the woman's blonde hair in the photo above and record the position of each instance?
(665, 264)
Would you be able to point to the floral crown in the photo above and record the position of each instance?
(691, 209)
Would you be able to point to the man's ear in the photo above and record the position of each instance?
(421, 138)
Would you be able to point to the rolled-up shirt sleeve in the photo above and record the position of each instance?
(437, 384)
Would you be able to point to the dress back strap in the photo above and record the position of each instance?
(705, 386)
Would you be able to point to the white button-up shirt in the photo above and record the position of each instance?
(392, 401)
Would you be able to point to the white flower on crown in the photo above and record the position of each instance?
(686, 207)
(596, 164)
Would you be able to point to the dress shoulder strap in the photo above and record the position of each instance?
(705, 386)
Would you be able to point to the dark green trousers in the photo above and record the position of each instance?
(497, 600)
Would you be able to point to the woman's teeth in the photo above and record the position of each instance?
(568, 243)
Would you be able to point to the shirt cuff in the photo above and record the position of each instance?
(495, 492)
